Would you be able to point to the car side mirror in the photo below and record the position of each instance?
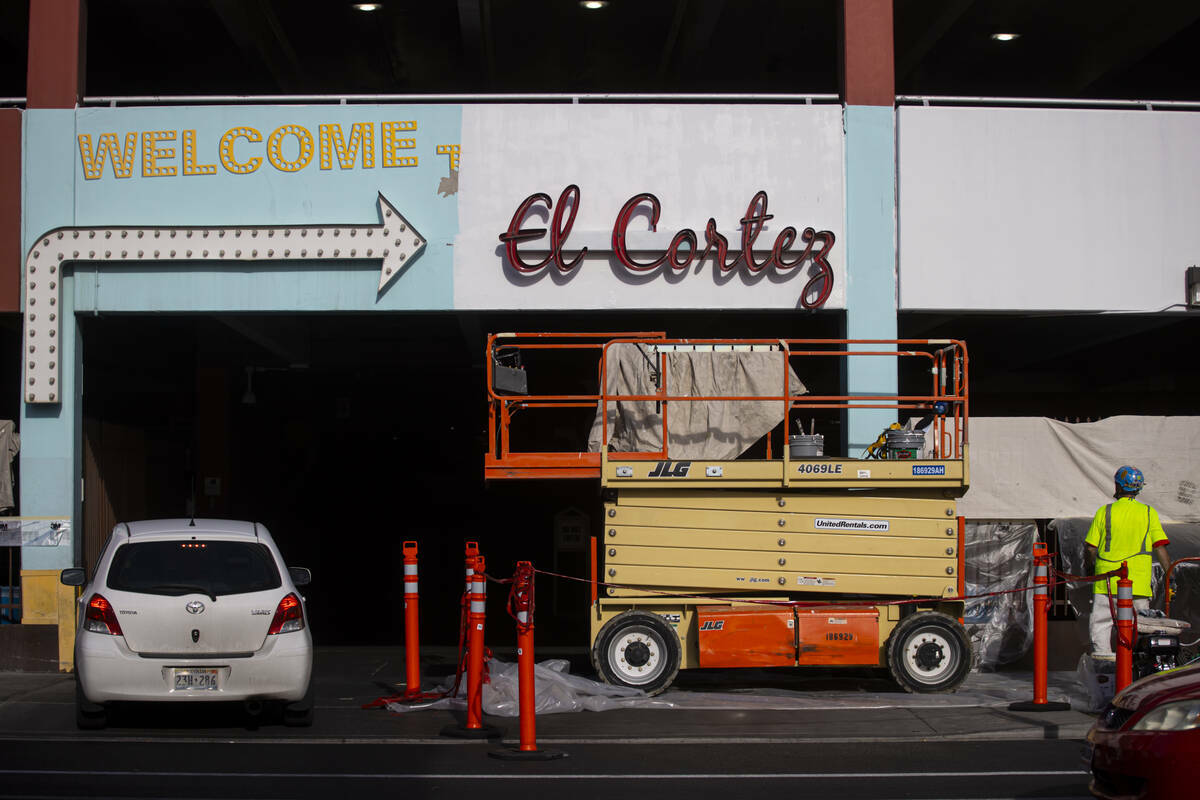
(301, 576)
(73, 577)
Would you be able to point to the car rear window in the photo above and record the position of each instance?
(193, 566)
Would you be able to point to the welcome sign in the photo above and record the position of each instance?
(244, 149)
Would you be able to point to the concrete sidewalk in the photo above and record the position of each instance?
(710, 706)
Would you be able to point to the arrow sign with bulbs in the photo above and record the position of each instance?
(393, 241)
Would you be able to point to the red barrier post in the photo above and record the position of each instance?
(1041, 623)
(412, 635)
(476, 617)
(521, 606)
(1126, 630)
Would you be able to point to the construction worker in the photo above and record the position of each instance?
(1123, 531)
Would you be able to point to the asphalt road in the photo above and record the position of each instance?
(216, 765)
(215, 751)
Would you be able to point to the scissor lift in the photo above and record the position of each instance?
(763, 559)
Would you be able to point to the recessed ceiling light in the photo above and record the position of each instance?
(1005, 37)
(593, 5)
(367, 6)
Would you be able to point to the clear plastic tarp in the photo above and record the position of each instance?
(999, 558)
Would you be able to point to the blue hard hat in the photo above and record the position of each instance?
(1129, 479)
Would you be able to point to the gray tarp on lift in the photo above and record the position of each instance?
(710, 430)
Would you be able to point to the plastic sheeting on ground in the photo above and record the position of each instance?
(557, 690)
(1098, 679)
(1038, 468)
(1184, 542)
(999, 558)
(560, 692)
(713, 429)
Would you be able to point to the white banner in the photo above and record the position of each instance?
(1038, 468)
(33, 532)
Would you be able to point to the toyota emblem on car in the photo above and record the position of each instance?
(195, 607)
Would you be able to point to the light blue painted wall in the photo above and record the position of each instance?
(871, 261)
(50, 434)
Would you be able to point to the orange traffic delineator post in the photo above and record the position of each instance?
(521, 606)
(412, 634)
(1041, 621)
(476, 617)
(1126, 629)
(472, 549)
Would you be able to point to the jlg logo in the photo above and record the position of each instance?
(712, 625)
(664, 469)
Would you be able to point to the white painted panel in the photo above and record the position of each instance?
(701, 162)
(1047, 209)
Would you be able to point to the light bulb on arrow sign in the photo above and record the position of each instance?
(394, 241)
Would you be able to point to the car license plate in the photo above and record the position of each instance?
(196, 679)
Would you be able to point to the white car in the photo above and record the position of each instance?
(192, 610)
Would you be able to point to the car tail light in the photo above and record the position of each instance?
(100, 617)
(289, 616)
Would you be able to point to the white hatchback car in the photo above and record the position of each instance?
(192, 610)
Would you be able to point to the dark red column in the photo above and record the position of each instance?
(868, 54)
(57, 49)
(10, 209)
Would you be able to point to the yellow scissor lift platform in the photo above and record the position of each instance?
(762, 559)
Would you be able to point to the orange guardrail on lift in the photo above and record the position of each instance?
(545, 389)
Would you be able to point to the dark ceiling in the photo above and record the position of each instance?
(1113, 49)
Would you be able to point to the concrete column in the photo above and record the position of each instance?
(868, 91)
(212, 442)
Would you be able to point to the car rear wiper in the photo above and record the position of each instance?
(188, 587)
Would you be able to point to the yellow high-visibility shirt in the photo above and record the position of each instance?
(1125, 530)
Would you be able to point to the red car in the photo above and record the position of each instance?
(1146, 744)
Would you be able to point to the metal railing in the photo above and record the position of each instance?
(510, 97)
(945, 403)
(1046, 102)
(620, 97)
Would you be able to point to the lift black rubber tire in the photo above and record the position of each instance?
(89, 716)
(929, 652)
(300, 713)
(638, 649)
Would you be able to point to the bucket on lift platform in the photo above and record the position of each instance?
(804, 445)
(904, 445)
